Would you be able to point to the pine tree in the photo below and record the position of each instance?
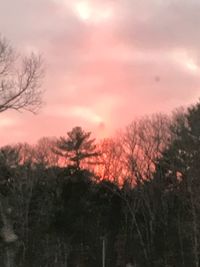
(77, 147)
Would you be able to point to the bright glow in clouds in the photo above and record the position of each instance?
(186, 61)
(86, 114)
(7, 122)
(83, 10)
(102, 59)
(91, 11)
(190, 64)
(81, 112)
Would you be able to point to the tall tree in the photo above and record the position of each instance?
(77, 147)
(179, 171)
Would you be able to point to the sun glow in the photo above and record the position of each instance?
(91, 11)
(83, 10)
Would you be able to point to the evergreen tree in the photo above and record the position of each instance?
(77, 147)
(178, 172)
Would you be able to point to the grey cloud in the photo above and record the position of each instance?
(145, 80)
(160, 24)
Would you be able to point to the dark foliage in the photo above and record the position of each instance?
(61, 215)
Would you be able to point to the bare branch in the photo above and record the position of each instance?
(20, 80)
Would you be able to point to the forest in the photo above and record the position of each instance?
(128, 200)
(137, 193)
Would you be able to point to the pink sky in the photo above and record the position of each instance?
(107, 61)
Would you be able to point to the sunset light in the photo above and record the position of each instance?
(106, 62)
(86, 113)
(100, 133)
(91, 11)
(185, 61)
(83, 10)
(192, 66)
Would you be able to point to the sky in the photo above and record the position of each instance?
(107, 62)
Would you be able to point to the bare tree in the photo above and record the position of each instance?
(44, 152)
(20, 79)
(143, 142)
(141, 145)
(20, 83)
(109, 164)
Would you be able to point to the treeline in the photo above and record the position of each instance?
(138, 192)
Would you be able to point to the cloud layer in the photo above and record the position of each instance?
(106, 61)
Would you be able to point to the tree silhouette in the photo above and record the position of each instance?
(20, 79)
(77, 147)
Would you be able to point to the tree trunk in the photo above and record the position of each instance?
(194, 226)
